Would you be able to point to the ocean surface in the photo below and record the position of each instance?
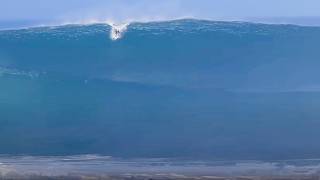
(104, 167)
(174, 89)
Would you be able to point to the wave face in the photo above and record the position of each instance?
(187, 88)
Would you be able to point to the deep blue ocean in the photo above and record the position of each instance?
(177, 89)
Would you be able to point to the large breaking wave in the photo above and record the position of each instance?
(185, 88)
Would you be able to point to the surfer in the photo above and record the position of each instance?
(117, 32)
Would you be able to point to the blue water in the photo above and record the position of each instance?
(179, 89)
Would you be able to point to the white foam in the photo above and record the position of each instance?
(98, 165)
(118, 30)
(16, 72)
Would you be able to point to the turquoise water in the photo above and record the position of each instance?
(186, 88)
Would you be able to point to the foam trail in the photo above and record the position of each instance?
(96, 166)
(118, 30)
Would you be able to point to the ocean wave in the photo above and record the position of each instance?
(105, 165)
(167, 24)
(159, 77)
(183, 25)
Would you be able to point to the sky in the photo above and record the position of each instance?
(139, 10)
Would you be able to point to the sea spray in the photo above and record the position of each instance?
(118, 30)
